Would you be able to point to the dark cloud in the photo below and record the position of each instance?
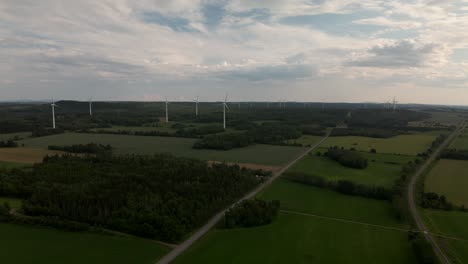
(399, 54)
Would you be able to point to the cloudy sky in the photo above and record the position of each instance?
(303, 50)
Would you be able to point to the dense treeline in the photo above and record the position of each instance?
(435, 201)
(249, 213)
(159, 197)
(90, 148)
(399, 202)
(267, 133)
(383, 118)
(348, 158)
(365, 132)
(341, 186)
(8, 144)
(456, 154)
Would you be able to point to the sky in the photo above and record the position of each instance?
(295, 50)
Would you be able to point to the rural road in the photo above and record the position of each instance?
(216, 218)
(412, 203)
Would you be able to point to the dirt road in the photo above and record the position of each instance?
(215, 219)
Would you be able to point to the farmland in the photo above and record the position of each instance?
(461, 142)
(449, 178)
(452, 224)
(13, 202)
(303, 239)
(383, 169)
(441, 118)
(402, 144)
(13, 156)
(50, 246)
(124, 144)
(305, 140)
(14, 135)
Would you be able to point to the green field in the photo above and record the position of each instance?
(12, 165)
(461, 142)
(304, 239)
(449, 178)
(259, 154)
(383, 169)
(453, 224)
(441, 118)
(12, 135)
(164, 128)
(305, 140)
(13, 202)
(25, 245)
(402, 144)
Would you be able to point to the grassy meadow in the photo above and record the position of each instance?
(13, 202)
(304, 239)
(461, 142)
(13, 135)
(452, 224)
(402, 144)
(124, 144)
(305, 140)
(449, 178)
(383, 169)
(26, 244)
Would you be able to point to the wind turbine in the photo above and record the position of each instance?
(91, 106)
(167, 111)
(53, 113)
(196, 106)
(225, 106)
(394, 104)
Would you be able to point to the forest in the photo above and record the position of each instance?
(160, 197)
(90, 148)
(250, 213)
(348, 158)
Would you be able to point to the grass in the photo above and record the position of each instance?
(402, 144)
(449, 178)
(461, 142)
(440, 117)
(452, 224)
(13, 135)
(124, 144)
(164, 128)
(303, 239)
(15, 156)
(383, 169)
(25, 244)
(12, 165)
(305, 140)
(13, 202)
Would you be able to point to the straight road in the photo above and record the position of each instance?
(216, 218)
(412, 203)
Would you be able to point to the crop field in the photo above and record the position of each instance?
(25, 245)
(13, 202)
(402, 144)
(449, 178)
(294, 238)
(383, 169)
(24, 155)
(453, 224)
(123, 144)
(13, 135)
(137, 129)
(305, 140)
(461, 142)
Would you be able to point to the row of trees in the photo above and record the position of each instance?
(267, 133)
(365, 132)
(160, 197)
(348, 158)
(249, 213)
(90, 148)
(8, 144)
(456, 154)
(341, 186)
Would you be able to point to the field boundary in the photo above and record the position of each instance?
(168, 258)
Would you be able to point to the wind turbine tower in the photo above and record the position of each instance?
(196, 106)
(394, 104)
(53, 113)
(91, 106)
(225, 106)
(167, 111)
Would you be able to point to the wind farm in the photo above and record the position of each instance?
(233, 131)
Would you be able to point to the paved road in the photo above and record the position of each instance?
(215, 219)
(412, 203)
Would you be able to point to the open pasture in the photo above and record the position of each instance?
(452, 224)
(449, 178)
(23, 155)
(383, 169)
(461, 142)
(124, 144)
(14, 135)
(25, 245)
(305, 140)
(402, 144)
(164, 128)
(294, 238)
(13, 202)
(12, 165)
